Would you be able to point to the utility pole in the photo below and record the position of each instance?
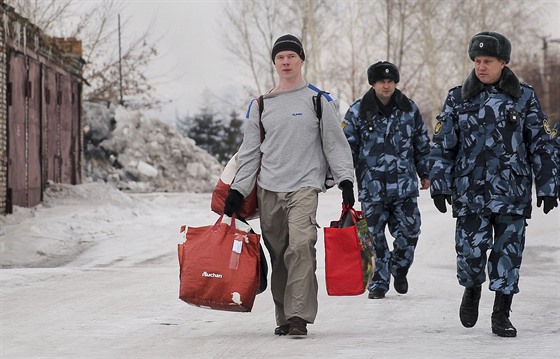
(121, 101)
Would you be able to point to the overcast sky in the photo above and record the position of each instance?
(192, 54)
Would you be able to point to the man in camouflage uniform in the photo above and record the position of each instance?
(390, 147)
(491, 138)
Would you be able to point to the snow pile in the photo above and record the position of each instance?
(140, 154)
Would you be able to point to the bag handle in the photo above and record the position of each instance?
(345, 209)
(216, 225)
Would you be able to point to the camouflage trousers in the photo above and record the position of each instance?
(504, 236)
(402, 217)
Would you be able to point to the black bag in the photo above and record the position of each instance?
(264, 266)
(264, 273)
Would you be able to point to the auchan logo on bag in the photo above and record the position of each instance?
(211, 275)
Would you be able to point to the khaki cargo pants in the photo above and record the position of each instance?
(289, 227)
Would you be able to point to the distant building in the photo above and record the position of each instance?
(40, 111)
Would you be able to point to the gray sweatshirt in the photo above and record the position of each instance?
(297, 149)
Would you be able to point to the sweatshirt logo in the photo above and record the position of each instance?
(297, 114)
(211, 275)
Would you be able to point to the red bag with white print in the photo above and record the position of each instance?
(220, 266)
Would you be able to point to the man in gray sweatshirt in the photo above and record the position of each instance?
(297, 150)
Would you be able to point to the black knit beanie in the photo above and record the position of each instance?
(383, 70)
(489, 43)
(288, 43)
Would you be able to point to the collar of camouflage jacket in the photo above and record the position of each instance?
(369, 105)
(508, 83)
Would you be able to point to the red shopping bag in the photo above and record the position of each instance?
(219, 266)
(343, 258)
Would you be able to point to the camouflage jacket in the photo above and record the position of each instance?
(489, 142)
(389, 152)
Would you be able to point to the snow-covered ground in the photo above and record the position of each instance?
(93, 273)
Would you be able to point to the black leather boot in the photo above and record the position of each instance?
(468, 312)
(500, 316)
(401, 284)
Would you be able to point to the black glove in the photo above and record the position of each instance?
(347, 193)
(439, 201)
(233, 202)
(549, 203)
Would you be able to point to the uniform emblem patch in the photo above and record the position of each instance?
(547, 127)
(437, 129)
(343, 125)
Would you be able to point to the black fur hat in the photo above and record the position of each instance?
(382, 70)
(489, 43)
(288, 42)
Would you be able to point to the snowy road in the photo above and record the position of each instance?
(116, 296)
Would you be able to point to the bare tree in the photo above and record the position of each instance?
(317, 34)
(96, 26)
(252, 26)
(432, 39)
(48, 15)
(249, 36)
(398, 27)
(351, 57)
(427, 39)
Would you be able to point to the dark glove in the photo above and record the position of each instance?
(549, 203)
(233, 202)
(347, 193)
(439, 201)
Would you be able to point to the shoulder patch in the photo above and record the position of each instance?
(547, 128)
(556, 129)
(438, 127)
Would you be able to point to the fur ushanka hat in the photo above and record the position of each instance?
(383, 70)
(489, 43)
